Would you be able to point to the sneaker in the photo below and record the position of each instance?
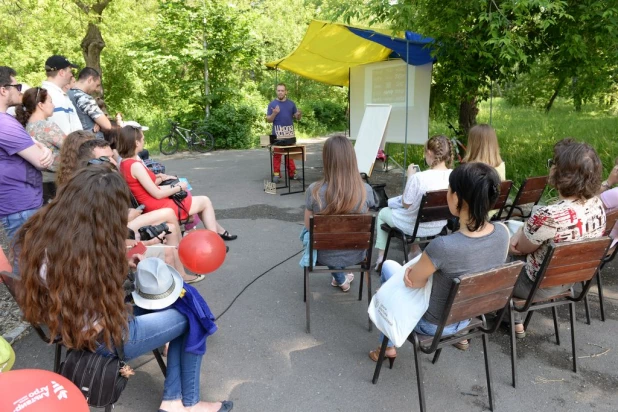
(276, 179)
(296, 177)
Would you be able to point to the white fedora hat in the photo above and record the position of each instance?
(157, 285)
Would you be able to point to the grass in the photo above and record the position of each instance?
(527, 135)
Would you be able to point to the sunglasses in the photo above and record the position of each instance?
(550, 163)
(100, 160)
(18, 86)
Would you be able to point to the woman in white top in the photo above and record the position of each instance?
(483, 147)
(439, 157)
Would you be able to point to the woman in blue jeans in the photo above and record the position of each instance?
(477, 246)
(72, 282)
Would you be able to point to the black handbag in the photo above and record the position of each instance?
(177, 197)
(97, 377)
(379, 196)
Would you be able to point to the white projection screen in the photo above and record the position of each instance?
(385, 83)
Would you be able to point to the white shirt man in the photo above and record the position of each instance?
(59, 74)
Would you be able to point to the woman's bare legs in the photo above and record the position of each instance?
(203, 207)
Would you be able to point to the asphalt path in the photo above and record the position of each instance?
(262, 359)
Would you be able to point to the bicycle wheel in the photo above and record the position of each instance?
(169, 145)
(204, 143)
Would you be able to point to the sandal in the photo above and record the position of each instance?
(226, 236)
(374, 355)
(463, 345)
(198, 278)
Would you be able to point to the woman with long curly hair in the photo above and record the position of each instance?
(72, 282)
(68, 155)
(34, 113)
(402, 214)
(341, 191)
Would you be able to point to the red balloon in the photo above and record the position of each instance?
(34, 390)
(202, 251)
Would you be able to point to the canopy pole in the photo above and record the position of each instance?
(349, 131)
(491, 101)
(405, 146)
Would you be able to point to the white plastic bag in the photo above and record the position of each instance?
(396, 309)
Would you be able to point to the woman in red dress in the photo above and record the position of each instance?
(145, 185)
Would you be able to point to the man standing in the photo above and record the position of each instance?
(59, 74)
(88, 111)
(21, 188)
(281, 113)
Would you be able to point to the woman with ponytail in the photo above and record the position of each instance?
(478, 245)
(402, 212)
(36, 108)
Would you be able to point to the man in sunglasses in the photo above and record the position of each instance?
(59, 75)
(21, 160)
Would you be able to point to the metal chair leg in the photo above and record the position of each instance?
(528, 317)
(587, 309)
(376, 372)
(488, 373)
(159, 359)
(404, 247)
(360, 286)
(436, 356)
(600, 288)
(368, 274)
(304, 284)
(307, 300)
(419, 374)
(57, 357)
(554, 312)
(513, 348)
(572, 312)
(388, 244)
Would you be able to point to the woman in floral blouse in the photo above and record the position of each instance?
(33, 114)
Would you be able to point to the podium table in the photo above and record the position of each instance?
(294, 152)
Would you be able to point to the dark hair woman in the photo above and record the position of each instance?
(72, 282)
(341, 191)
(34, 113)
(579, 214)
(145, 185)
(478, 245)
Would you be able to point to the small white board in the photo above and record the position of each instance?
(371, 135)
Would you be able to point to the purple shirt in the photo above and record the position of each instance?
(283, 125)
(21, 184)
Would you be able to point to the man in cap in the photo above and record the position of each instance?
(89, 112)
(59, 74)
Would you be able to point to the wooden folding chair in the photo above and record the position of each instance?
(340, 232)
(505, 190)
(471, 297)
(565, 263)
(611, 217)
(434, 207)
(530, 192)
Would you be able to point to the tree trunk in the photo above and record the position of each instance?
(550, 103)
(467, 117)
(92, 45)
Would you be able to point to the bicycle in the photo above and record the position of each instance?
(169, 144)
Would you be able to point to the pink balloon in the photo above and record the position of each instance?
(202, 251)
(34, 390)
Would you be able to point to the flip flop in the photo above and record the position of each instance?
(198, 278)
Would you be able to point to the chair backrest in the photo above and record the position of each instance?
(433, 207)
(611, 217)
(571, 262)
(341, 232)
(505, 190)
(531, 191)
(480, 293)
